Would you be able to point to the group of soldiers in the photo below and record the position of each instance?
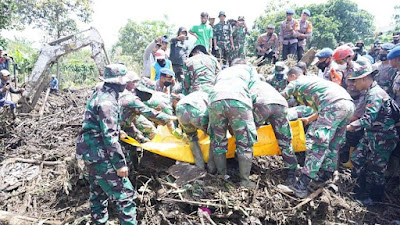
(350, 106)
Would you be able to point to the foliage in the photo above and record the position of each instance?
(334, 21)
(396, 17)
(134, 38)
(56, 17)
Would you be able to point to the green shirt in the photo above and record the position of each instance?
(204, 33)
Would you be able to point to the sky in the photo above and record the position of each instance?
(110, 16)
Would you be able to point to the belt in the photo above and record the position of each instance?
(289, 38)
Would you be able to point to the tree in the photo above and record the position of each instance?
(134, 37)
(396, 17)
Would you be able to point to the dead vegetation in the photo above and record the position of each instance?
(42, 183)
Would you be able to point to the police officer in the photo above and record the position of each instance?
(325, 64)
(359, 48)
(304, 32)
(386, 73)
(372, 154)
(268, 44)
(288, 35)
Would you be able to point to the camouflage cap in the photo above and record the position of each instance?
(362, 70)
(115, 73)
(280, 67)
(143, 88)
(132, 76)
(221, 13)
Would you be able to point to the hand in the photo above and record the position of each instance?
(233, 48)
(173, 118)
(276, 55)
(21, 90)
(350, 128)
(305, 121)
(122, 135)
(181, 37)
(216, 48)
(123, 171)
(170, 126)
(6, 87)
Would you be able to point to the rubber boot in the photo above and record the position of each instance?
(348, 164)
(197, 154)
(220, 163)
(245, 162)
(211, 164)
(300, 188)
(291, 177)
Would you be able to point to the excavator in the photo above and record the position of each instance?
(50, 53)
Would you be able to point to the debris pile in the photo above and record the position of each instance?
(42, 182)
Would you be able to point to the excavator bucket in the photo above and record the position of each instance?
(165, 144)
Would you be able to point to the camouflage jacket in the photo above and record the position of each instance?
(396, 88)
(385, 77)
(201, 72)
(223, 32)
(315, 92)
(234, 83)
(161, 102)
(199, 101)
(279, 85)
(132, 106)
(264, 94)
(98, 140)
(378, 113)
(239, 35)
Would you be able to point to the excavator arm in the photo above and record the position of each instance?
(51, 52)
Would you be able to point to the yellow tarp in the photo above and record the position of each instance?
(167, 145)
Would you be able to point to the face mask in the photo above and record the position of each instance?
(279, 76)
(360, 46)
(322, 65)
(382, 57)
(144, 96)
(342, 67)
(395, 41)
(161, 62)
(167, 84)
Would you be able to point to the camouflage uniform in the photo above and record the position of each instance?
(222, 34)
(201, 72)
(385, 77)
(326, 135)
(231, 103)
(192, 113)
(161, 102)
(98, 145)
(239, 39)
(278, 84)
(300, 111)
(396, 88)
(372, 154)
(143, 128)
(270, 106)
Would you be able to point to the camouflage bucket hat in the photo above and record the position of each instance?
(143, 88)
(115, 73)
(362, 71)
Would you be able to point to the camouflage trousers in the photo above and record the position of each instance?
(325, 136)
(224, 52)
(371, 157)
(191, 119)
(105, 185)
(239, 51)
(239, 117)
(277, 116)
(300, 111)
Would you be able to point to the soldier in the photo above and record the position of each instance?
(192, 113)
(223, 40)
(230, 105)
(287, 36)
(268, 44)
(326, 134)
(270, 106)
(239, 38)
(371, 156)
(386, 73)
(279, 79)
(326, 66)
(303, 67)
(98, 145)
(359, 48)
(202, 70)
(396, 37)
(203, 32)
(304, 33)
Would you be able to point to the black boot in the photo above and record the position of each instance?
(291, 177)
(359, 190)
(323, 177)
(245, 162)
(300, 187)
